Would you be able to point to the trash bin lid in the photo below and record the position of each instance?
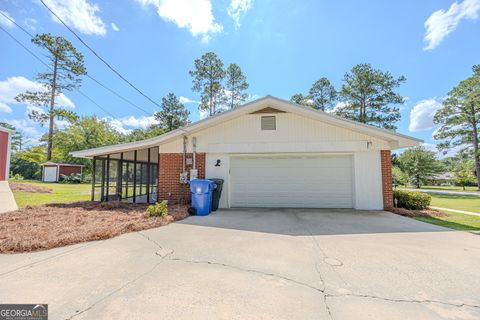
(218, 183)
(201, 186)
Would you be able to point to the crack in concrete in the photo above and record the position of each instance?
(131, 281)
(115, 291)
(162, 252)
(249, 271)
(367, 296)
(322, 253)
(47, 259)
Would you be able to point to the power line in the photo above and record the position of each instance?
(43, 62)
(99, 57)
(89, 76)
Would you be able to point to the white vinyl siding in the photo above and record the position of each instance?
(300, 181)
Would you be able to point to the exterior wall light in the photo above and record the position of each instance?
(218, 163)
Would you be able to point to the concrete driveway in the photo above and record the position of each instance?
(258, 264)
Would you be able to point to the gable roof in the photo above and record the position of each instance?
(396, 140)
(7, 130)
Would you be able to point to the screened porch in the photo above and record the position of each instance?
(126, 176)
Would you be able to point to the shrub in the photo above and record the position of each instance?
(16, 176)
(411, 200)
(159, 209)
(73, 178)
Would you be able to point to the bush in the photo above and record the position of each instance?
(16, 176)
(159, 209)
(71, 179)
(411, 200)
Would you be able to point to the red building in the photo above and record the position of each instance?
(51, 170)
(5, 145)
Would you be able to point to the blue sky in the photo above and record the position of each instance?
(282, 46)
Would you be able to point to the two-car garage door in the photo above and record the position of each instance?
(308, 181)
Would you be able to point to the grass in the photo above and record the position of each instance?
(453, 220)
(447, 188)
(61, 193)
(457, 202)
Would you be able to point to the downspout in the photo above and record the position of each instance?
(194, 145)
(194, 171)
(184, 152)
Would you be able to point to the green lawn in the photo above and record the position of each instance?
(448, 188)
(453, 220)
(62, 193)
(466, 203)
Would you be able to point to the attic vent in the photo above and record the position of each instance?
(268, 123)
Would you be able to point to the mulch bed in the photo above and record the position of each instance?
(26, 187)
(417, 213)
(57, 225)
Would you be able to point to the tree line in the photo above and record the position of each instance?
(220, 88)
(458, 122)
(367, 95)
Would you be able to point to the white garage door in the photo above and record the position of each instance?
(50, 174)
(292, 181)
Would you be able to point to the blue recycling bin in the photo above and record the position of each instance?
(202, 190)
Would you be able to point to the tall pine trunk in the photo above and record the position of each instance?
(475, 144)
(51, 113)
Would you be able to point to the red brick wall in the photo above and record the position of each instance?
(3, 155)
(386, 161)
(170, 167)
(69, 170)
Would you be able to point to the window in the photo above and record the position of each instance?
(268, 123)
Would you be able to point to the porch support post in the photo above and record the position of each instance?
(119, 177)
(102, 191)
(108, 176)
(127, 176)
(94, 165)
(148, 177)
(135, 176)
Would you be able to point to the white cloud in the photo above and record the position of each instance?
(4, 21)
(203, 114)
(337, 107)
(430, 147)
(78, 14)
(115, 27)
(421, 116)
(31, 23)
(5, 108)
(441, 22)
(13, 86)
(125, 125)
(237, 8)
(183, 99)
(194, 15)
(28, 129)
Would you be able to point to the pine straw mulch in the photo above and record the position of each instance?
(57, 225)
(417, 213)
(27, 187)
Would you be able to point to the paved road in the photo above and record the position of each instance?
(258, 264)
(458, 193)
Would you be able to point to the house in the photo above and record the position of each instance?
(52, 171)
(5, 149)
(270, 152)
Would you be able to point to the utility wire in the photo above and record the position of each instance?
(99, 57)
(43, 62)
(89, 76)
